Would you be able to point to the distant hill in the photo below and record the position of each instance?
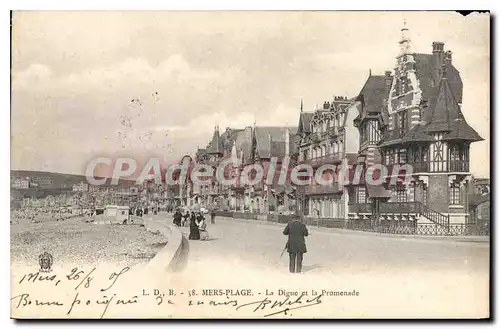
(60, 180)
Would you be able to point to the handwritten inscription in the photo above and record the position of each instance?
(115, 276)
(24, 300)
(100, 297)
(286, 304)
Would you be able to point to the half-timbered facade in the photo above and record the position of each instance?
(422, 126)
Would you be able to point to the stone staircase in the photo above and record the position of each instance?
(412, 211)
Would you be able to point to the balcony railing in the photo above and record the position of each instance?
(322, 189)
(334, 131)
(418, 167)
(326, 159)
(365, 208)
(458, 166)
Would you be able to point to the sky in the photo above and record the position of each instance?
(142, 84)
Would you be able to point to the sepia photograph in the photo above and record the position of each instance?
(250, 165)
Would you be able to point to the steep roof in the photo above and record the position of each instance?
(460, 130)
(426, 72)
(215, 146)
(243, 145)
(267, 140)
(305, 121)
(278, 148)
(444, 114)
(373, 94)
(417, 134)
(228, 138)
(443, 95)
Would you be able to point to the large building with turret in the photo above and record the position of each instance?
(413, 116)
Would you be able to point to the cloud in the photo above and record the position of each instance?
(75, 79)
(34, 75)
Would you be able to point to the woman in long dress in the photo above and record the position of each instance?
(194, 232)
(202, 226)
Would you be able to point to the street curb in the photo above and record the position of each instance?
(472, 239)
(174, 256)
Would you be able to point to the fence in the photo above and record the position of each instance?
(414, 228)
(401, 227)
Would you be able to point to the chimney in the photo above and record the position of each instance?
(388, 81)
(447, 57)
(424, 105)
(438, 58)
(287, 142)
(248, 134)
(270, 144)
(443, 71)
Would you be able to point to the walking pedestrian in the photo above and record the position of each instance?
(187, 216)
(202, 227)
(296, 245)
(194, 232)
(177, 218)
(212, 216)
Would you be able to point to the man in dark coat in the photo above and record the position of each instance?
(178, 218)
(296, 245)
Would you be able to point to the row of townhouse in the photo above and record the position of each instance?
(411, 115)
(247, 146)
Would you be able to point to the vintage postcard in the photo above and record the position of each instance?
(264, 164)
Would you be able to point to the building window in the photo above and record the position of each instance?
(402, 122)
(454, 153)
(393, 156)
(361, 194)
(455, 193)
(401, 195)
(438, 157)
(402, 156)
(465, 154)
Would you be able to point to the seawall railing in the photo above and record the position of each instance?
(398, 227)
